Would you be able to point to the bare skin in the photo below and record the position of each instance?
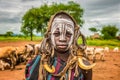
(63, 56)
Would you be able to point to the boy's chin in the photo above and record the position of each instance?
(61, 50)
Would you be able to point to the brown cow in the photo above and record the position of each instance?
(8, 52)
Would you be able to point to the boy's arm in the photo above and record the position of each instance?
(87, 74)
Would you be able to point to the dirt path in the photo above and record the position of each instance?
(107, 70)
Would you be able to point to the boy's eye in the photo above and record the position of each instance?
(68, 34)
(56, 34)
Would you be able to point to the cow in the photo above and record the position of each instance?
(8, 52)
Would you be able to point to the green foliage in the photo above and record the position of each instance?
(109, 32)
(92, 29)
(17, 38)
(103, 43)
(37, 18)
(9, 33)
(30, 22)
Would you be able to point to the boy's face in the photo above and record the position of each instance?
(62, 32)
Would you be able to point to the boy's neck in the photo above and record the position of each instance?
(62, 55)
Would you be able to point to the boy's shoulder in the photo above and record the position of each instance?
(32, 67)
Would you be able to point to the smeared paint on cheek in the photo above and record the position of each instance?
(53, 38)
(71, 31)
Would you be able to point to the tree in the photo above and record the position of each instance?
(109, 31)
(30, 22)
(92, 29)
(9, 33)
(37, 18)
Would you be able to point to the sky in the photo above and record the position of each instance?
(96, 13)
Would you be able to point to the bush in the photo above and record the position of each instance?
(109, 32)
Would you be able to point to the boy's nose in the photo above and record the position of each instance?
(62, 37)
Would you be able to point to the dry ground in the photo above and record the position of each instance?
(104, 70)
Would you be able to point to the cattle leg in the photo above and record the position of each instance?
(13, 61)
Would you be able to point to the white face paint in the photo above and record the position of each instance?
(65, 27)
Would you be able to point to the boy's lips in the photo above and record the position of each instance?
(62, 46)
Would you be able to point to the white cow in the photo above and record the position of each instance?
(106, 49)
(94, 52)
(89, 51)
(100, 52)
(116, 49)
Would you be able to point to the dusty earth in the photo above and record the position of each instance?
(104, 70)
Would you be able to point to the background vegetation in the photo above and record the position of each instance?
(97, 42)
(36, 19)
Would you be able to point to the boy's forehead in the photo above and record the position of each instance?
(62, 22)
(62, 25)
(63, 17)
(58, 21)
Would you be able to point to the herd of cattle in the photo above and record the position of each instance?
(92, 52)
(12, 56)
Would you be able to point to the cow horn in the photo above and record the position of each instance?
(83, 66)
(47, 68)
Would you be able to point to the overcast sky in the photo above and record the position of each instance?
(96, 13)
